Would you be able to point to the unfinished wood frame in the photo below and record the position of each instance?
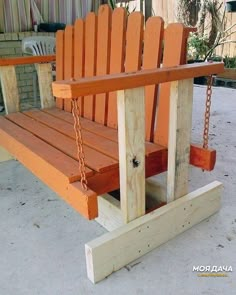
(132, 233)
(4, 155)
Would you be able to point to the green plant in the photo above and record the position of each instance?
(197, 46)
(230, 62)
(125, 4)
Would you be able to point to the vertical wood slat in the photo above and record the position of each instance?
(68, 60)
(134, 39)
(103, 59)
(60, 64)
(90, 60)
(9, 89)
(131, 132)
(151, 59)
(117, 59)
(174, 46)
(79, 54)
(181, 100)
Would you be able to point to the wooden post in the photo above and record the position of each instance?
(45, 85)
(131, 131)
(9, 89)
(180, 125)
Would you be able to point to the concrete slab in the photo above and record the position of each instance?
(42, 239)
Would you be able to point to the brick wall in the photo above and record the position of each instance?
(10, 46)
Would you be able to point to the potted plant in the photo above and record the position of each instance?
(230, 68)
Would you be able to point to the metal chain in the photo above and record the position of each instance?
(79, 142)
(207, 112)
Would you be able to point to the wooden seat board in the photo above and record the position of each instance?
(21, 143)
(93, 159)
(93, 140)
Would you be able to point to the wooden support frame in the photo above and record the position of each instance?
(4, 155)
(116, 249)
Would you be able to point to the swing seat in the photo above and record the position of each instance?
(122, 56)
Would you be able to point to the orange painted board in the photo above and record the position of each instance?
(90, 61)
(103, 59)
(68, 60)
(26, 60)
(96, 142)
(93, 159)
(54, 168)
(117, 60)
(152, 52)
(79, 54)
(202, 158)
(85, 86)
(60, 64)
(20, 143)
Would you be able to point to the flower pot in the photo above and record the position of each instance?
(231, 6)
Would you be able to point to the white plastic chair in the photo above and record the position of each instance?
(38, 45)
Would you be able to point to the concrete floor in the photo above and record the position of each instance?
(42, 239)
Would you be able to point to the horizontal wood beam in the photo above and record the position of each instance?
(102, 84)
(27, 60)
(116, 249)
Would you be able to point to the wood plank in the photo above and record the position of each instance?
(109, 213)
(51, 166)
(79, 54)
(90, 61)
(93, 159)
(181, 102)
(174, 38)
(45, 85)
(116, 249)
(103, 59)
(14, 61)
(131, 130)
(117, 60)
(95, 85)
(4, 155)
(103, 145)
(60, 64)
(152, 52)
(16, 140)
(9, 89)
(199, 157)
(68, 60)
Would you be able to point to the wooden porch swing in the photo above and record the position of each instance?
(132, 110)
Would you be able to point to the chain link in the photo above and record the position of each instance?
(79, 143)
(207, 112)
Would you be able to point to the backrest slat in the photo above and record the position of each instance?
(117, 59)
(103, 59)
(90, 60)
(68, 60)
(134, 39)
(174, 41)
(79, 54)
(60, 64)
(152, 53)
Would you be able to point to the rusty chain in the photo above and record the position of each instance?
(207, 112)
(79, 143)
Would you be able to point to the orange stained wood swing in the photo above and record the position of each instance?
(44, 140)
(133, 90)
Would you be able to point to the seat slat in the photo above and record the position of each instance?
(103, 60)
(101, 131)
(60, 64)
(90, 60)
(25, 146)
(152, 52)
(68, 60)
(93, 159)
(117, 59)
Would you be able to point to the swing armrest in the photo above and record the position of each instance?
(101, 84)
(27, 60)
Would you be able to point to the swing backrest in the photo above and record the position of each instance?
(111, 43)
